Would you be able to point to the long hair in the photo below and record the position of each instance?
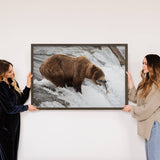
(150, 78)
(4, 67)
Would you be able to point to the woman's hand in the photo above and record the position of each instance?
(32, 108)
(126, 108)
(130, 81)
(29, 80)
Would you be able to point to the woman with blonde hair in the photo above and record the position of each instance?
(147, 111)
(12, 101)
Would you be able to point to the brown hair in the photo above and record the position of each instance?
(4, 67)
(152, 77)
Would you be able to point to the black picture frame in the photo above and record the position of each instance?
(112, 59)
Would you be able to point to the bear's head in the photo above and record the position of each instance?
(97, 76)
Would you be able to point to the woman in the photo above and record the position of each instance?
(147, 111)
(12, 101)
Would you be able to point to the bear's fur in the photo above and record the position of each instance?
(71, 71)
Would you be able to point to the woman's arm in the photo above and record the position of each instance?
(8, 106)
(25, 93)
(132, 96)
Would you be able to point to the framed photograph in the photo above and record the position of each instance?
(79, 76)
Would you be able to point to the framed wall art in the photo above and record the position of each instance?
(79, 76)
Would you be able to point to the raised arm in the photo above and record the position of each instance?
(131, 89)
(25, 93)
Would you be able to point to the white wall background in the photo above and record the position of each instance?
(78, 135)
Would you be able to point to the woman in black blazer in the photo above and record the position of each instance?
(12, 101)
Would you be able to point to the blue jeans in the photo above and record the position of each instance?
(153, 145)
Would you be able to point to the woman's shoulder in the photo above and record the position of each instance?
(155, 92)
(3, 86)
(2, 83)
(155, 89)
(156, 86)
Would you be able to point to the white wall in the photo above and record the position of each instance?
(78, 135)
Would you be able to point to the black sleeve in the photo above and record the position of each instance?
(24, 95)
(8, 105)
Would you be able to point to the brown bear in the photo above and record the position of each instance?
(71, 71)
